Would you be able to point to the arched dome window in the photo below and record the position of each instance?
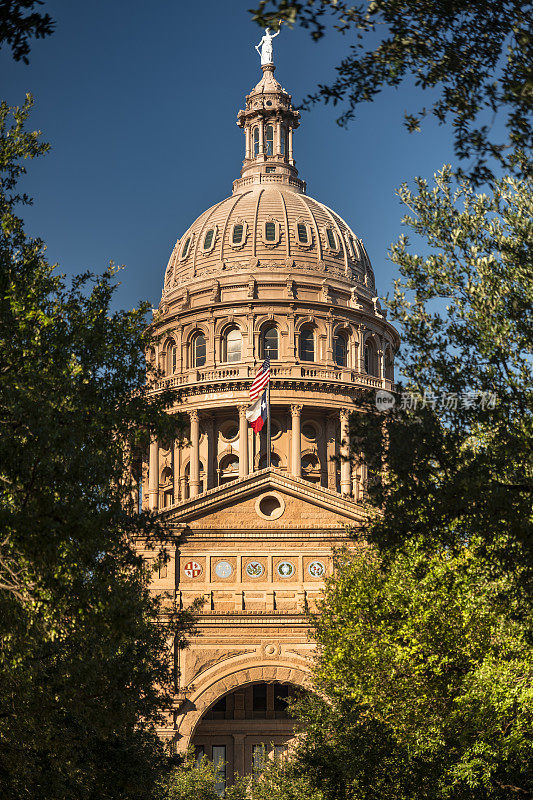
(270, 231)
(209, 240)
(269, 343)
(172, 357)
(238, 233)
(340, 350)
(303, 236)
(283, 140)
(229, 468)
(389, 364)
(332, 239)
(371, 365)
(232, 345)
(256, 141)
(307, 344)
(186, 247)
(311, 468)
(198, 350)
(269, 140)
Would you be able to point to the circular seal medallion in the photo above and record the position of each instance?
(254, 569)
(192, 569)
(223, 569)
(316, 569)
(285, 569)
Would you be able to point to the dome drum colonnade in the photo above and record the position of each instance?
(267, 270)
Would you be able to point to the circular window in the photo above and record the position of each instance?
(285, 569)
(230, 431)
(309, 431)
(270, 506)
(316, 569)
(223, 569)
(254, 569)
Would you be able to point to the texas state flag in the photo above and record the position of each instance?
(257, 413)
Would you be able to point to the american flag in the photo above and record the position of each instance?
(260, 380)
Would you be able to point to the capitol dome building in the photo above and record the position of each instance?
(268, 272)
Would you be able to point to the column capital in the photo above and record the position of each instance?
(242, 409)
(345, 414)
(296, 409)
(194, 414)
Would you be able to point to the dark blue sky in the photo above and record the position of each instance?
(139, 102)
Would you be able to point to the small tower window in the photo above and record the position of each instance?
(185, 248)
(332, 239)
(232, 345)
(302, 233)
(198, 350)
(256, 141)
(270, 231)
(269, 140)
(238, 231)
(340, 351)
(283, 140)
(307, 344)
(208, 239)
(270, 343)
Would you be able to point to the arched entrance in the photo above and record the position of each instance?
(245, 726)
(242, 718)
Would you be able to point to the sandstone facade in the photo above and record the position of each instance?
(267, 271)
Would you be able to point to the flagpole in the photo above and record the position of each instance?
(268, 417)
(268, 425)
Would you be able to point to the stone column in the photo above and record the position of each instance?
(209, 426)
(331, 452)
(153, 475)
(290, 145)
(345, 452)
(177, 470)
(296, 441)
(261, 138)
(194, 464)
(243, 442)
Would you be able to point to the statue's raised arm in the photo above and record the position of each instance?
(264, 48)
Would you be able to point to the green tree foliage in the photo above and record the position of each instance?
(190, 780)
(84, 668)
(426, 634)
(19, 22)
(476, 57)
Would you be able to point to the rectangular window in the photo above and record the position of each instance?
(281, 695)
(219, 760)
(331, 239)
(259, 756)
(270, 231)
(237, 234)
(302, 233)
(271, 169)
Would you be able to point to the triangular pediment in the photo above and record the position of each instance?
(240, 504)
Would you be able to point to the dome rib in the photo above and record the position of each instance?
(256, 216)
(284, 204)
(227, 220)
(339, 233)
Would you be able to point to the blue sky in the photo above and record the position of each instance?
(139, 101)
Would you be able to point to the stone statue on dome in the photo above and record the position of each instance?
(264, 48)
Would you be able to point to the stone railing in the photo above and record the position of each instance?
(231, 374)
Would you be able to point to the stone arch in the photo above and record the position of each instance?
(200, 701)
(230, 321)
